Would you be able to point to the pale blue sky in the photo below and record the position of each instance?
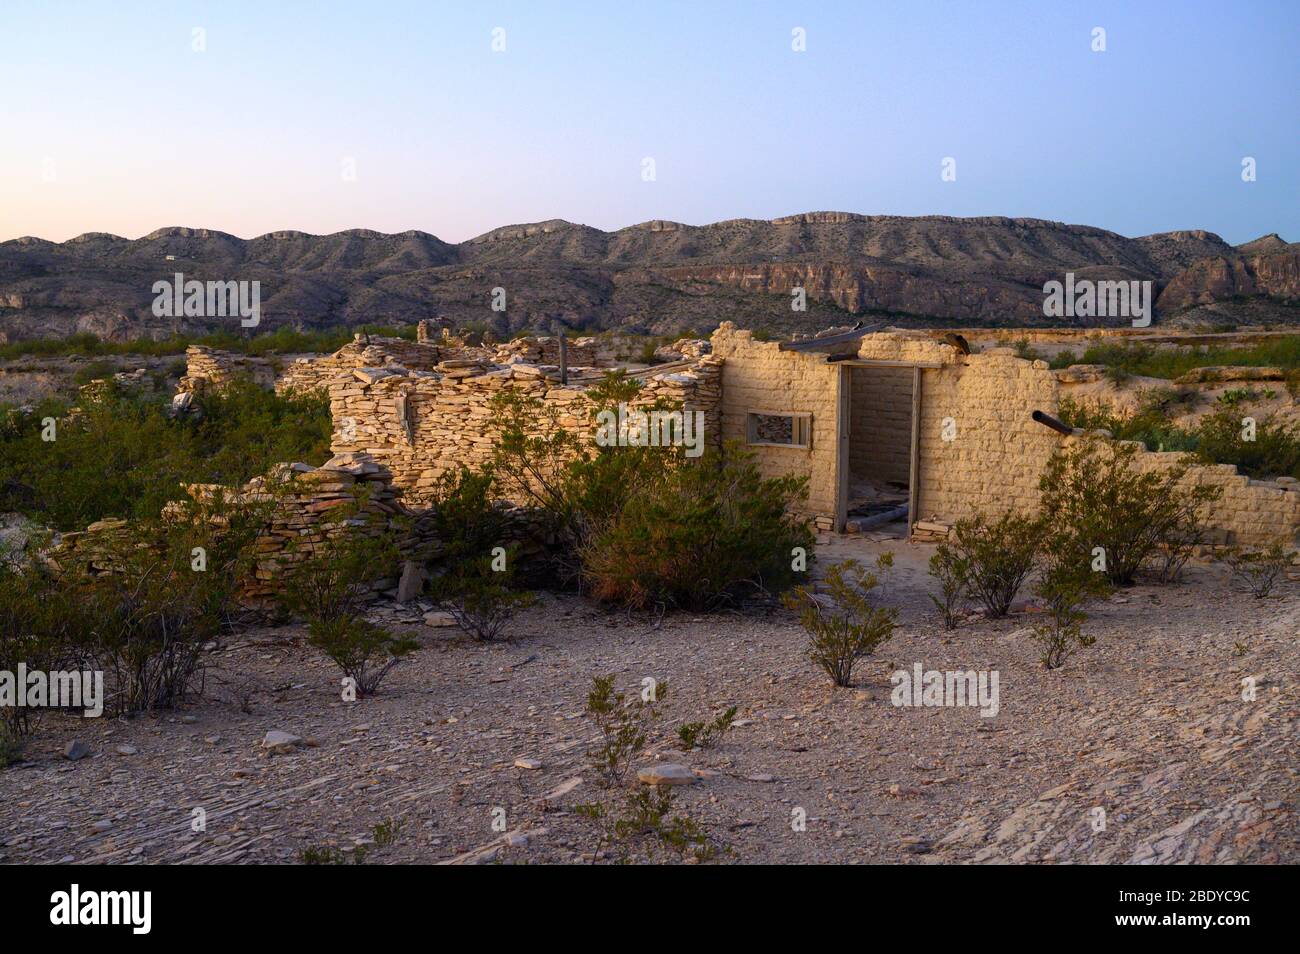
(111, 122)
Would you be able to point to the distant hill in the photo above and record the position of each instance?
(661, 277)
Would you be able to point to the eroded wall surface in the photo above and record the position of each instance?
(759, 376)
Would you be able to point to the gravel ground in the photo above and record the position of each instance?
(1148, 726)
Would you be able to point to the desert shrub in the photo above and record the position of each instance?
(642, 525)
(701, 735)
(577, 485)
(40, 625)
(1095, 495)
(639, 817)
(702, 535)
(93, 371)
(1064, 359)
(243, 429)
(624, 727)
(1258, 570)
(330, 588)
(474, 572)
(1061, 631)
(1149, 361)
(851, 627)
(1150, 424)
(465, 520)
(364, 651)
(998, 556)
(1064, 585)
(1273, 449)
(481, 598)
(1026, 350)
(953, 573)
(172, 587)
(125, 456)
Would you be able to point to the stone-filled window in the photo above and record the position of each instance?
(781, 430)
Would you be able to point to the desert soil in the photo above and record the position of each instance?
(1149, 725)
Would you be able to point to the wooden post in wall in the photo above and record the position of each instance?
(913, 490)
(844, 425)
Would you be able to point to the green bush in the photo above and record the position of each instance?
(1260, 569)
(953, 573)
(646, 525)
(1061, 632)
(702, 535)
(172, 587)
(330, 589)
(998, 556)
(851, 627)
(41, 625)
(94, 371)
(1099, 503)
(1150, 425)
(1274, 450)
(641, 817)
(480, 598)
(126, 457)
(363, 651)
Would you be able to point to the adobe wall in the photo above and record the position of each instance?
(997, 452)
(447, 420)
(759, 376)
(880, 424)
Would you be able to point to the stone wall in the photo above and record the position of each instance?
(213, 368)
(422, 425)
(308, 374)
(880, 424)
(312, 506)
(584, 352)
(137, 382)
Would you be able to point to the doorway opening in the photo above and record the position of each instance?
(877, 471)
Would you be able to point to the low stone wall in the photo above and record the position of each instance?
(312, 506)
(213, 368)
(314, 374)
(139, 381)
(546, 350)
(421, 426)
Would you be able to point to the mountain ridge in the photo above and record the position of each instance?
(655, 276)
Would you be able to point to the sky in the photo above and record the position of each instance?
(119, 117)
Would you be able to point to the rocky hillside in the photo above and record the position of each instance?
(657, 277)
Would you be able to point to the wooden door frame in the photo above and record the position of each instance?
(844, 432)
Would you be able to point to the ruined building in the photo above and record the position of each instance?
(876, 421)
